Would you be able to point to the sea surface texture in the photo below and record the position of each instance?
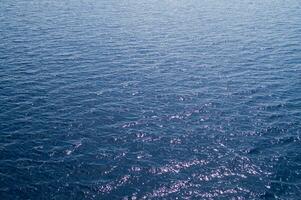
(150, 99)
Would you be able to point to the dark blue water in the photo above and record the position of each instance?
(187, 99)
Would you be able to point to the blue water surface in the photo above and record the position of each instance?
(150, 99)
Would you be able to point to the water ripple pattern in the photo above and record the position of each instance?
(150, 99)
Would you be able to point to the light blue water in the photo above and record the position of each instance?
(105, 99)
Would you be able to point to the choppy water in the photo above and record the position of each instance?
(105, 99)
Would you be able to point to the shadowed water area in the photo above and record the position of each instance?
(124, 99)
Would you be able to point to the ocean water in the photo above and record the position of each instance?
(150, 99)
